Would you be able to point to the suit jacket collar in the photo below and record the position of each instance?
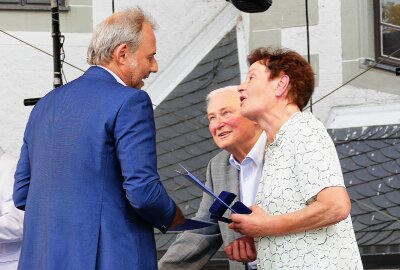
(233, 180)
(100, 73)
(228, 177)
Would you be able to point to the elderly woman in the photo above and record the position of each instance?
(301, 218)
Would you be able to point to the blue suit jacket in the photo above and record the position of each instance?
(87, 178)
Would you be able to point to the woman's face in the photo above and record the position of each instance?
(257, 92)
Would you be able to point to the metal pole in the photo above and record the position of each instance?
(56, 43)
(308, 48)
(56, 35)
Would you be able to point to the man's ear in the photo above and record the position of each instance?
(283, 85)
(121, 53)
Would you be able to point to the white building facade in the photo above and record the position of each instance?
(341, 37)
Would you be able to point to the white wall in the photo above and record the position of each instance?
(188, 30)
(364, 115)
(27, 73)
(183, 24)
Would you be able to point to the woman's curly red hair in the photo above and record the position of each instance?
(292, 64)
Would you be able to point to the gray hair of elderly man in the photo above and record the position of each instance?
(124, 27)
(231, 88)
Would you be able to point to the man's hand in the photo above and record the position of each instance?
(242, 250)
(255, 224)
(178, 219)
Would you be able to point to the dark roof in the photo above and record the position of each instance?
(182, 127)
(370, 160)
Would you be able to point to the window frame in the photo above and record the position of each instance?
(31, 5)
(380, 57)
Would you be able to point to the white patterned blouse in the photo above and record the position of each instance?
(300, 163)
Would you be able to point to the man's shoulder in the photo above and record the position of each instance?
(108, 94)
(221, 159)
(222, 155)
(98, 81)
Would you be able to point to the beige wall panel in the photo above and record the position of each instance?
(374, 79)
(357, 29)
(265, 38)
(280, 16)
(78, 19)
(80, 2)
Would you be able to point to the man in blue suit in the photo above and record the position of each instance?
(87, 175)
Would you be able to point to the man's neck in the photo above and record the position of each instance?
(116, 69)
(240, 153)
(118, 78)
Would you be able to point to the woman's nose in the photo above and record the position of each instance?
(242, 87)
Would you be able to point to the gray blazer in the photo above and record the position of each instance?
(193, 249)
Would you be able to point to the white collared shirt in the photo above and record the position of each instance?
(250, 170)
(114, 75)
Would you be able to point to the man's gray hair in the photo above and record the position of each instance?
(124, 27)
(231, 88)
